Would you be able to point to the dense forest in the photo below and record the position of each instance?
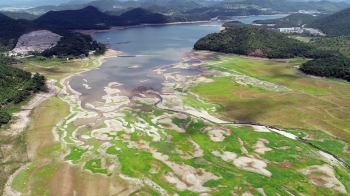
(75, 44)
(292, 20)
(337, 24)
(334, 67)
(91, 18)
(331, 55)
(71, 44)
(254, 41)
(16, 86)
(340, 44)
(12, 29)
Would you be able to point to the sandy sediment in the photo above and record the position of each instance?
(20, 125)
(326, 179)
(8, 190)
(245, 163)
(23, 116)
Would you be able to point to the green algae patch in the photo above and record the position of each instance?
(75, 154)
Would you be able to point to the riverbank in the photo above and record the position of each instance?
(25, 117)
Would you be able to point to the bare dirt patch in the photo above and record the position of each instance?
(36, 41)
(323, 176)
(244, 163)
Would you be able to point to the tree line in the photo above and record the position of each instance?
(16, 86)
(241, 39)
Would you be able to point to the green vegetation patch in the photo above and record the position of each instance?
(75, 154)
(95, 166)
(310, 103)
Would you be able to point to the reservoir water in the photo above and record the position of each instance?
(153, 47)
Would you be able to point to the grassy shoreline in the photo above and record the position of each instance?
(87, 170)
(52, 70)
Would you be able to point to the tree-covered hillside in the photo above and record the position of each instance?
(333, 67)
(12, 29)
(16, 86)
(331, 56)
(3, 16)
(142, 16)
(91, 18)
(75, 44)
(87, 18)
(340, 44)
(292, 20)
(253, 41)
(336, 24)
(70, 44)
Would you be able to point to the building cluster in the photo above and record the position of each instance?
(309, 12)
(310, 31)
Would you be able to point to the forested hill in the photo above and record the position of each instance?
(12, 29)
(71, 44)
(253, 41)
(292, 20)
(3, 16)
(141, 16)
(336, 24)
(91, 18)
(86, 18)
(16, 85)
(334, 67)
(260, 42)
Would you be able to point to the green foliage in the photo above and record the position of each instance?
(292, 20)
(336, 24)
(340, 44)
(75, 44)
(11, 30)
(75, 154)
(138, 16)
(95, 166)
(179, 17)
(329, 61)
(4, 117)
(335, 67)
(16, 86)
(254, 41)
(91, 18)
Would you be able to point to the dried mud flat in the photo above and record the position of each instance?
(114, 108)
(129, 126)
(23, 118)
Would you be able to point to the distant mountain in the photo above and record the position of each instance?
(91, 18)
(20, 15)
(336, 24)
(3, 16)
(139, 16)
(12, 29)
(86, 18)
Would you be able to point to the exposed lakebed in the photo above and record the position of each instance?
(135, 135)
